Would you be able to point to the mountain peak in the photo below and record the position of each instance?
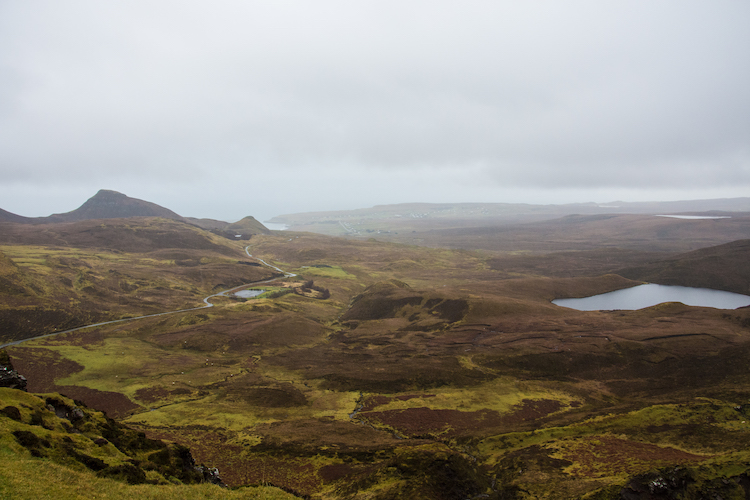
(108, 193)
(108, 204)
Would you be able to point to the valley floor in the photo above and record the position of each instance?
(382, 370)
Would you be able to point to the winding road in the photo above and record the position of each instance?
(206, 300)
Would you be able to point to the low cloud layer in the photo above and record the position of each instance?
(370, 102)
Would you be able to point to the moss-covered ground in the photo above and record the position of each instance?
(427, 373)
(53, 447)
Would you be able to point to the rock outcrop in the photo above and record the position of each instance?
(9, 377)
(43, 424)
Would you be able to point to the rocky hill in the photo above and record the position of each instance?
(248, 225)
(86, 445)
(107, 204)
(113, 205)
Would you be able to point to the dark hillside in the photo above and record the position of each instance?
(113, 205)
(6, 216)
(241, 230)
(60, 276)
(125, 235)
(570, 264)
(723, 267)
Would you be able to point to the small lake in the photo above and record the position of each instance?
(649, 295)
(248, 294)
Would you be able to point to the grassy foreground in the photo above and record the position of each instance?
(50, 447)
(20, 480)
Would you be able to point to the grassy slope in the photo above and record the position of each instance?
(701, 268)
(168, 265)
(458, 370)
(19, 480)
(87, 456)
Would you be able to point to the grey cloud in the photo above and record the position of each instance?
(578, 94)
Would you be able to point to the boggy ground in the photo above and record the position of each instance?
(428, 373)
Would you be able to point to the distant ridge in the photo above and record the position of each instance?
(241, 229)
(248, 224)
(420, 223)
(518, 212)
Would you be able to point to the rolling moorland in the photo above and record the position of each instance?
(372, 366)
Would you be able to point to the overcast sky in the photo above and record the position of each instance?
(230, 108)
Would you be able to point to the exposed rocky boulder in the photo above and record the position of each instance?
(62, 410)
(685, 483)
(8, 376)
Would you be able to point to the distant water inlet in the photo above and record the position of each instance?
(274, 226)
(642, 296)
(248, 294)
(696, 217)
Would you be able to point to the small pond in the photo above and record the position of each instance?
(642, 296)
(248, 294)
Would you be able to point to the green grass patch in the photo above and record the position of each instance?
(208, 411)
(331, 404)
(45, 455)
(127, 364)
(500, 395)
(21, 479)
